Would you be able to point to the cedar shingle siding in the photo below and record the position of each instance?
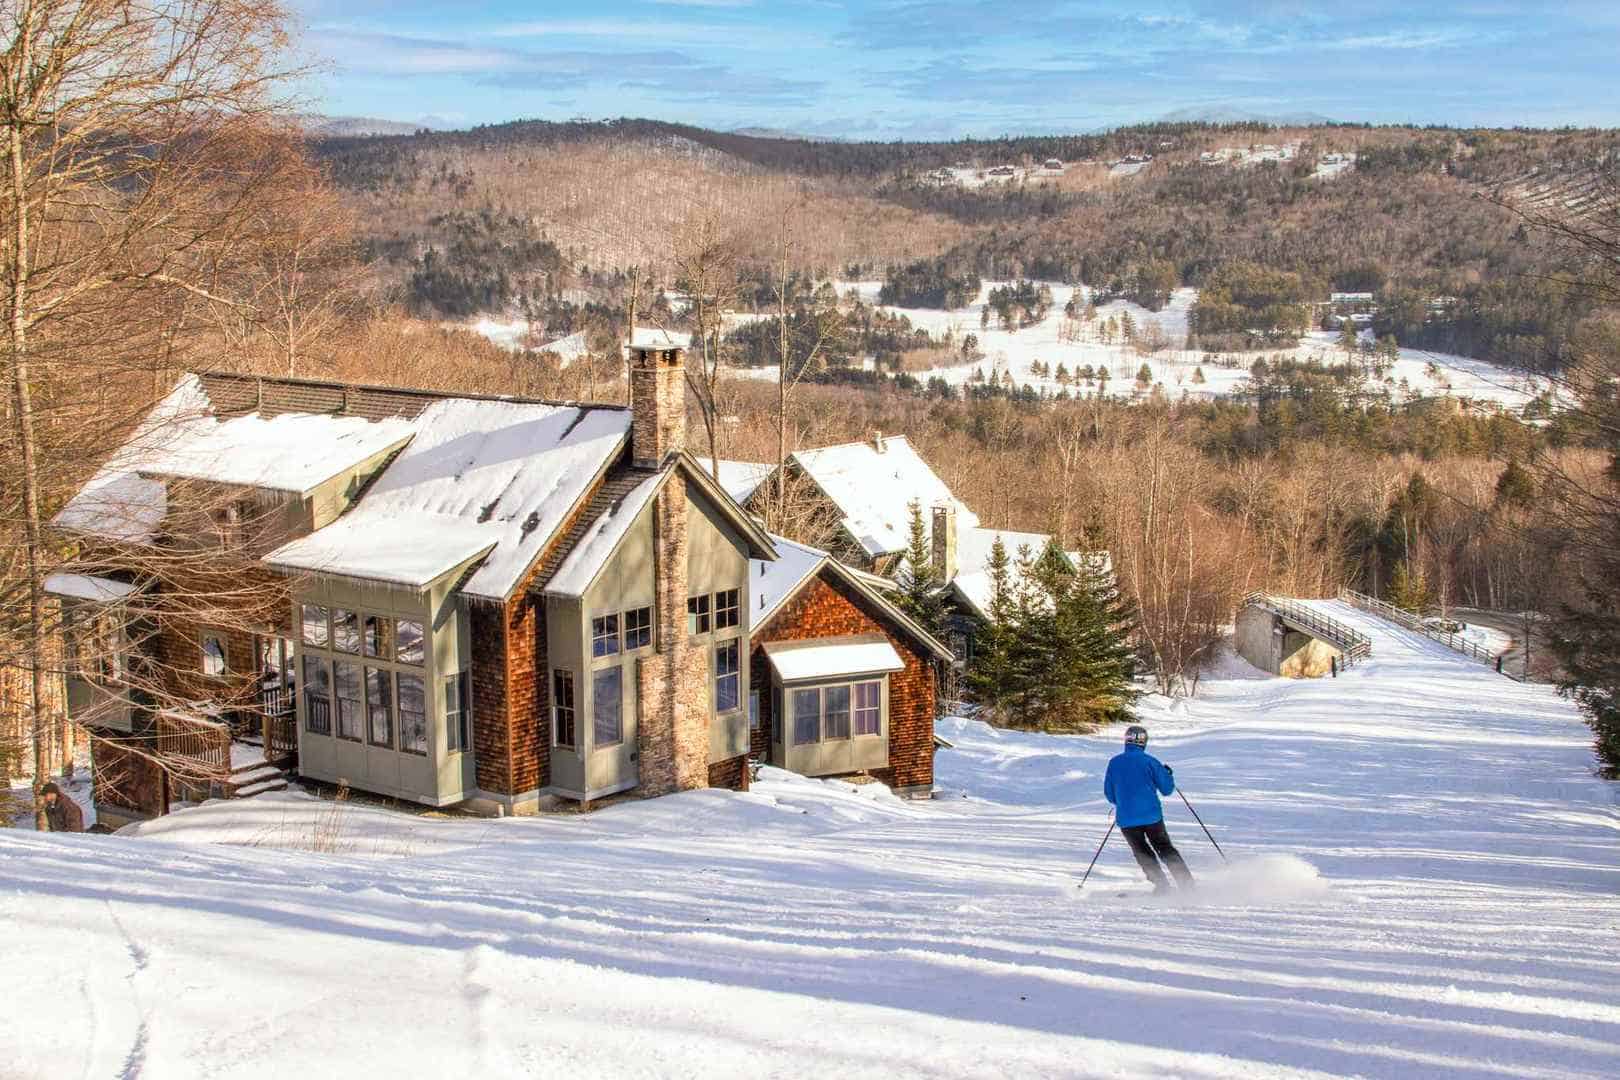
(828, 608)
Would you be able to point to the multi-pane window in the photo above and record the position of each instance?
(413, 716)
(697, 614)
(213, 655)
(607, 706)
(835, 713)
(562, 707)
(346, 695)
(345, 630)
(637, 629)
(317, 696)
(457, 713)
(726, 607)
(379, 637)
(410, 642)
(868, 708)
(605, 635)
(380, 707)
(727, 682)
(313, 618)
(806, 716)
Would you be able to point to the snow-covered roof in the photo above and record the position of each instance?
(655, 337)
(588, 558)
(181, 438)
(741, 478)
(87, 587)
(293, 452)
(973, 550)
(505, 474)
(770, 583)
(413, 550)
(826, 658)
(874, 489)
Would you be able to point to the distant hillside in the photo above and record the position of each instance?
(495, 217)
(1231, 114)
(330, 127)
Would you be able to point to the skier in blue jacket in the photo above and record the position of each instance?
(1133, 784)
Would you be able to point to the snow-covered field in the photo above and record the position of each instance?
(1423, 884)
(1415, 373)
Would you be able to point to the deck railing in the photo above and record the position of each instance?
(1401, 617)
(1351, 642)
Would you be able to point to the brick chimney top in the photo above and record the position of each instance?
(878, 444)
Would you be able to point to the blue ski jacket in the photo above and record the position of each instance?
(1133, 784)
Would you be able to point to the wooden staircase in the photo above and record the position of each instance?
(251, 774)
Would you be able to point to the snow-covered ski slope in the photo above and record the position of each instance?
(1424, 885)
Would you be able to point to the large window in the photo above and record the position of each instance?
(727, 682)
(411, 642)
(607, 707)
(346, 684)
(213, 654)
(562, 707)
(380, 707)
(726, 608)
(806, 716)
(457, 713)
(345, 630)
(824, 713)
(753, 710)
(835, 713)
(315, 629)
(697, 614)
(605, 635)
(413, 717)
(317, 696)
(637, 629)
(868, 708)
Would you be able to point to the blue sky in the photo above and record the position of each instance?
(900, 68)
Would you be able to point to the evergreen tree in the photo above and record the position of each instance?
(1198, 375)
(1144, 374)
(1409, 588)
(990, 677)
(1515, 487)
(921, 589)
(1348, 339)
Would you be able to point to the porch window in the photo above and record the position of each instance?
(315, 628)
(457, 713)
(726, 679)
(379, 637)
(697, 614)
(753, 710)
(637, 629)
(410, 642)
(213, 655)
(346, 681)
(605, 635)
(835, 713)
(806, 716)
(380, 708)
(562, 707)
(607, 706)
(317, 696)
(726, 606)
(345, 630)
(413, 717)
(868, 708)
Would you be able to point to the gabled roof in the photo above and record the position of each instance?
(742, 478)
(499, 475)
(774, 585)
(874, 489)
(615, 508)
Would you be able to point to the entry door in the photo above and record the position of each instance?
(612, 765)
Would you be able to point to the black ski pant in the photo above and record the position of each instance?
(1151, 843)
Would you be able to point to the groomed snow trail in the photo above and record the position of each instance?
(1423, 883)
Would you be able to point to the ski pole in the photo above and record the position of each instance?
(1094, 858)
(1201, 825)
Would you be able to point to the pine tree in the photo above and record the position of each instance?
(989, 678)
(1144, 374)
(1348, 338)
(1198, 375)
(921, 589)
(1409, 588)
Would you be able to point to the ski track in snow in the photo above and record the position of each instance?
(1423, 883)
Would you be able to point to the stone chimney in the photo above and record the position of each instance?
(657, 399)
(944, 542)
(878, 444)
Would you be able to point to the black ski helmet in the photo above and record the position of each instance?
(1136, 735)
